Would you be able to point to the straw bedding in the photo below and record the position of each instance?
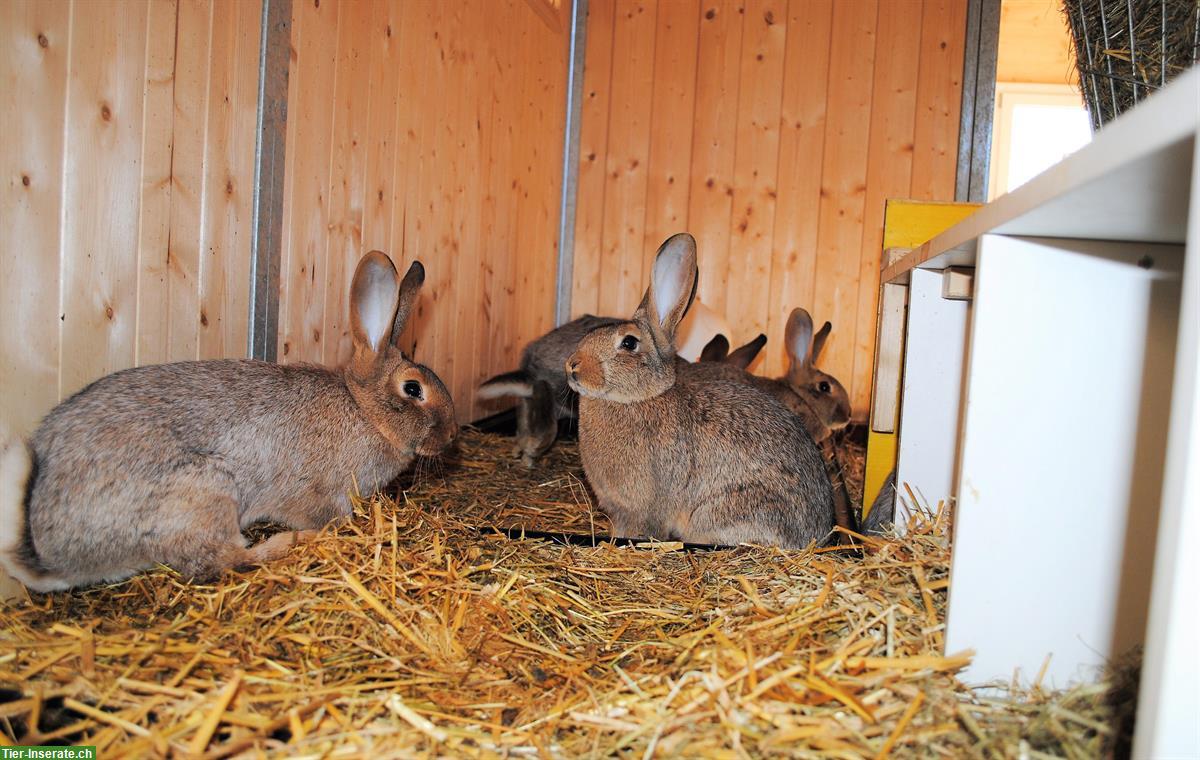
(409, 632)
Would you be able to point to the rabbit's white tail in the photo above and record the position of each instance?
(508, 384)
(16, 467)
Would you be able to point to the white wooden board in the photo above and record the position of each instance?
(935, 353)
(1064, 439)
(1168, 723)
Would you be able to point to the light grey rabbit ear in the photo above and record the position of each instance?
(410, 288)
(798, 337)
(672, 284)
(819, 340)
(373, 301)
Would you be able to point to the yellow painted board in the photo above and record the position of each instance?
(881, 460)
(906, 224)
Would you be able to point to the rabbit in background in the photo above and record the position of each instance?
(679, 451)
(540, 385)
(166, 464)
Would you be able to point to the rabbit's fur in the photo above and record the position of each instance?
(166, 464)
(820, 400)
(540, 385)
(815, 396)
(680, 451)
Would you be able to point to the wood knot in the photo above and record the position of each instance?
(316, 336)
(769, 17)
(710, 14)
(25, 180)
(709, 182)
(389, 30)
(105, 112)
(42, 41)
(108, 312)
(286, 348)
(229, 187)
(203, 318)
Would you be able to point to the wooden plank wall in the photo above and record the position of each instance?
(773, 130)
(127, 173)
(1035, 43)
(432, 131)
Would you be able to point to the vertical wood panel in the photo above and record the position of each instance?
(36, 37)
(153, 318)
(593, 153)
(347, 177)
(939, 95)
(192, 68)
(102, 197)
(494, 342)
(384, 87)
(710, 202)
(756, 162)
(801, 152)
(229, 178)
(632, 91)
(104, 209)
(843, 180)
(672, 124)
(306, 192)
(542, 140)
(889, 172)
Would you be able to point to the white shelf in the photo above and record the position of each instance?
(1131, 183)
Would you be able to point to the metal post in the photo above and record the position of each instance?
(269, 150)
(570, 168)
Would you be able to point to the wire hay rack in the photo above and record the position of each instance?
(1125, 50)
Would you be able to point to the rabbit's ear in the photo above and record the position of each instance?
(672, 285)
(373, 302)
(410, 288)
(744, 355)
(798, 337)
(819, 341)
(716, 349)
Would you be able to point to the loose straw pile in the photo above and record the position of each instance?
(409, 632)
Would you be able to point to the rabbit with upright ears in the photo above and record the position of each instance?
(166, 464)
(816, 396)
(675, 451)
(540, 385)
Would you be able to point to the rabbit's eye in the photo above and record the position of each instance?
(629, 343)
(412, 389)
(823, 386)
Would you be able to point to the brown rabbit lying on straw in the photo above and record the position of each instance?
(680, 451)
(166, 464)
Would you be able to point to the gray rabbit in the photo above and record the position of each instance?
(677, 451)
(168, 463)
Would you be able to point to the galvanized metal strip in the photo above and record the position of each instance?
(269, 150)
(570, 168)
(978, 100)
